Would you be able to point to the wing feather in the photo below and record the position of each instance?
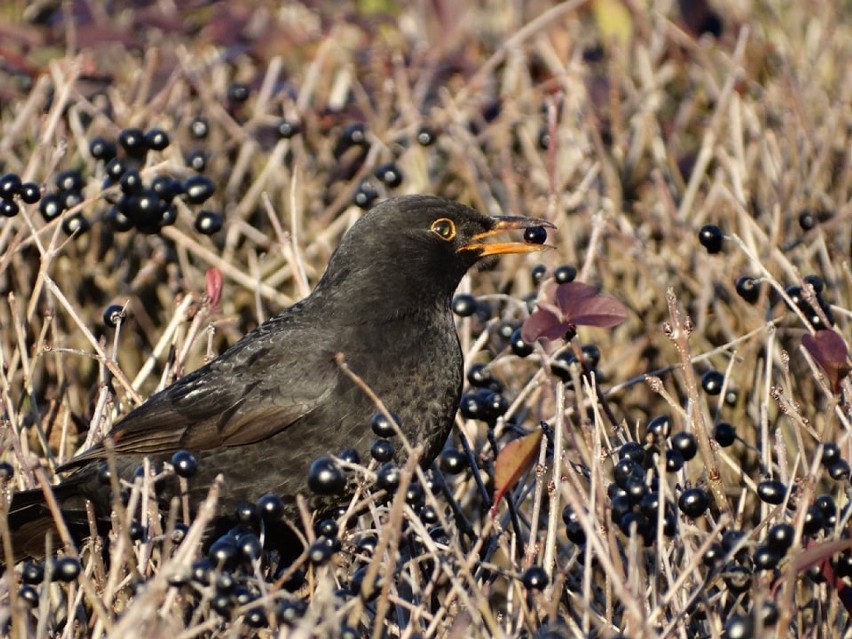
(232, 401)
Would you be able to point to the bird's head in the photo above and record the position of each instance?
(415, 250)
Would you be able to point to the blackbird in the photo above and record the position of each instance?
(277, 400)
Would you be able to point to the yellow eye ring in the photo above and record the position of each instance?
(444, 228)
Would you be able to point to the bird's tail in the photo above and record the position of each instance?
(29, 520)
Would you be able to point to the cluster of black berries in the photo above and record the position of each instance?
(635, 491)
(150, 207)
(326, 477)
(67, 196)
(11, 188)
(484, 400)
(146, 207)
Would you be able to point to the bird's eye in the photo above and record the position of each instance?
(444, 228)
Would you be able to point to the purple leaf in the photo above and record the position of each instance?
(582, 304)
(829, 351)
(572, 293)
(543, 323)
(576, 304)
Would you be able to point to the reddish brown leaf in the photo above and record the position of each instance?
(572, 293)
(602, 311)
(582, 304)
(513, 461)
(213, 279)
(829, 351)
(576, 304)
(542, 324)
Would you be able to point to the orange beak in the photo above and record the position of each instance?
(504, 224)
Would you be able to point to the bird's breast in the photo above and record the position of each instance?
(414, 365)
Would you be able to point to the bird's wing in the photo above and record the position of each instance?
(251, 392)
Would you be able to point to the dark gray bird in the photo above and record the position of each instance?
(263, 410)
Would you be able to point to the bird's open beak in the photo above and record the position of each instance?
(502, 225)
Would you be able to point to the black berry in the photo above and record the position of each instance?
(102, 149)
(7, 471)
(518, 345)
(199, 128)
(30, 192)
(166, 187)
(184, 463)
(693, 502)
(382, 426)
(564, 274)
(712, 382)
(118, 221)
(711, 238)
(389, 174)
(10, 184)
(327, 528)
(535, 235)
(771, 491)
(131, 182)
(816, 282)
(426, 136)
(196, 160)
(354, 134)
(66, 569)
(807, 220)
(113, 314)
(674, 461)
(632, 451)
(464, 305)
(270, 507)
(839, 470)
(288, 128)
(32, 572)
(781, 536)
(349, 455)
(724, 434)
(198, 189)
(658, 429)
(208, 222)
(28, 594)
(573, 528)
(453, 461)
(382, 450)
(156, 139)
(538, 273)
(388, 477)
(319, 553)
(535, 578)
(8, 208)
(364, 196)
(246, 513)
(748, 288)
(75, 224)
(325, 477)
(71, 180)
(115, 168)
(133, 142)
(238, 92)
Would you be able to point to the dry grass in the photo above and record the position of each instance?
(653, 133)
